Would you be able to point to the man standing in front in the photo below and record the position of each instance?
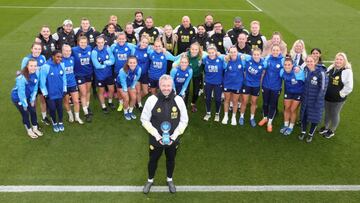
(165, 118)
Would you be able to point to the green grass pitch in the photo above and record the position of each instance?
(112, 151)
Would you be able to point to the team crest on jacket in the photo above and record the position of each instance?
(89, 53)
(61, 72)
(277, 65)
(126, 48)
(336, 80)
(154, 32)
(191, 32)
(314, 80)
(107, 56)
(158, 110)
(239, 66)
(145, 55)
(174, 113)
(162, 57)
(260, 67)
(259, 41)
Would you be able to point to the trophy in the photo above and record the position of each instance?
(165, 127)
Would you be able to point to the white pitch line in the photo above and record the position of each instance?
(122, 8)
(257, 8)
(184, 188)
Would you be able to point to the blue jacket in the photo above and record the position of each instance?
(253, 72)
(314, 93)
(181, 79)
(214, 70)
(293, 82)
(143, 57)
(272, 79)
(69, 71)
(82, 65)
(234, 74)
(129, 79)
(102, 61)
(121, 54)
(41, 60)
(158, 64)
(25, 90)
(53, 80)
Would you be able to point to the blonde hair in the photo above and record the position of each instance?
(173, 37)
(303, 53)
(200, 54)
(347, 63)
(255, 22)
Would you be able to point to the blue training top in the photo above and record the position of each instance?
(293, 82)
(53, 80)
(25, 90)
(181, 79)
(272, 79)
(129, 79)
(41, 60)
(102, 61)
(69, 71)
(214, 69)
(234, 74)
(253, 72)
(121, 54)
(82, 61)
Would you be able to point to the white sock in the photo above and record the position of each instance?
(77, 115)
(252, 116)
(270, 122)
(121, 101)
(139, 104)
(241, 115)
(88, 104)
(225, 114)
(131, 109)
(286, 123)
(234, 115)
(168, 179)
(151, 180)
(27, 129)
(239, 105)
(291, 125)
(110, 100)
(69, 113)
(43, 114)
(103, 106)
(85, 109)
(126, 110)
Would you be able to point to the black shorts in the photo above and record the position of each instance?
(153, 83)
(293, 96)
(72, 89)
(144, 79)
(83, 79)
(106, 82)
(232, 91)
(253, 91)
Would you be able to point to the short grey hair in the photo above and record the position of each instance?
(165, 77)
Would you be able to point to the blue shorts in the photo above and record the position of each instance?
(232, 91)
(106, 82)
(153, 83)
(253, 91)
(72, 89)
(83, 79)
(144, 79)
(293, 96)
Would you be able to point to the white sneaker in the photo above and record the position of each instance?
(71, 117)
(37, 131)
(31, 134)
(207, 117)
(217, 117)
(233, 120)
(79, 121)
(225, 120)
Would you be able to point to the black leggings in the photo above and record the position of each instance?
(304, 123)
(197, 84)
(155, 154)
(55, 106)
